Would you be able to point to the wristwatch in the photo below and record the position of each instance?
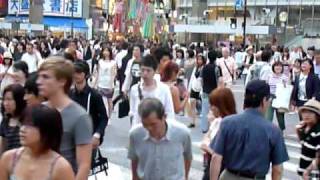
(97, 135)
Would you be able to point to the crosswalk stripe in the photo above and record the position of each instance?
(290, 167)
(114, 172)
(292, 144)
(294, 155)
(122, 173)
(268, 177)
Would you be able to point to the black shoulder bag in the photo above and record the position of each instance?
(228, 70)
(140, 92)
(98, 164)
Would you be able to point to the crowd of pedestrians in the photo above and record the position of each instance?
(57, 96)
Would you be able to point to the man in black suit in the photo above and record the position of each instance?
(87, 52)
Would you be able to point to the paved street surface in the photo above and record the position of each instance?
(116, 143)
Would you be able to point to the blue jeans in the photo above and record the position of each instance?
(204, 124)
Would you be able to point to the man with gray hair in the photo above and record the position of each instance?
(295, 54)
(159, 149)
(228, 67)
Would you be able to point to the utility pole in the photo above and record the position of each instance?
(72, 8)
(35, 13)
(244, 23)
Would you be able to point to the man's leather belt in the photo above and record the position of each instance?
(246, 174)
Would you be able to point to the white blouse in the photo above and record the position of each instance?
(107, 71)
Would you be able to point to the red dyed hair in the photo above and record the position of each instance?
(223, 99)
(168, 71)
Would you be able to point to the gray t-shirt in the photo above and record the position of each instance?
(77, 130)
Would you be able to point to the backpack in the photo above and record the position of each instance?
(217, 73)
(256, 71)
(135, 72)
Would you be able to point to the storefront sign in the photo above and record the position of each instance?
(3, 7)
(50, 7)
(99, 4)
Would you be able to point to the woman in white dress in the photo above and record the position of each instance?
(106, 75)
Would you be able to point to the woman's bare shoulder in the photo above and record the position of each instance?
(62, 169)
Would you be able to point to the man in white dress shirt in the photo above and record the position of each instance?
(149, 88)
(32, 58)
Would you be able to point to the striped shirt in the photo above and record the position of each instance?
(10, 134)
(274, 79)
(310, 145)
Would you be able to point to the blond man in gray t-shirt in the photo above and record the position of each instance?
(54, 81)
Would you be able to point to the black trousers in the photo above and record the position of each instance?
(206, 172)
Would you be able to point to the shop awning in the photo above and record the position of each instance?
(58, 22)
(64, 22)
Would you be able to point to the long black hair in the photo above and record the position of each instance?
(18, 93)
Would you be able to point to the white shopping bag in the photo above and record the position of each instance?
(283, 95)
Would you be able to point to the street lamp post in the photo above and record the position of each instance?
(244, 23)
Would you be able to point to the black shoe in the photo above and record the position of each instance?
(191, 125)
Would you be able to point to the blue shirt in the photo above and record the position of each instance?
(317, 69)
(249, 142)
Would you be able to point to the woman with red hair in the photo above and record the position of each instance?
(169, 76)
(222, 104)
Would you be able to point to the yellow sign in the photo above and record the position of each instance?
(99, 3)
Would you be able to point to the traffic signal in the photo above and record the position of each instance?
(233, 23)
(104, 14)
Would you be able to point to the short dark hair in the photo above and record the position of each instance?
(21, 66)
(180, 51)
(310, 62)
(124, 45)
(151, 105)
(22, 44)
(140, 46)
(161, 52)
(277, 63)
(256, 91)
(212, 56)
(30, 85)
(29, 44)
(49, 122)
(190, 53)
(64, 44)
(149, 61)
(18, 95)
(82, 67)
(266, 55)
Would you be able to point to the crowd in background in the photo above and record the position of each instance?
(58, 95)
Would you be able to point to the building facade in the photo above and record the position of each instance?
(65, 16)
(222, 19)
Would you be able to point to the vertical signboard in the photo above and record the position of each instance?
(239, 4)
(50, 7)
